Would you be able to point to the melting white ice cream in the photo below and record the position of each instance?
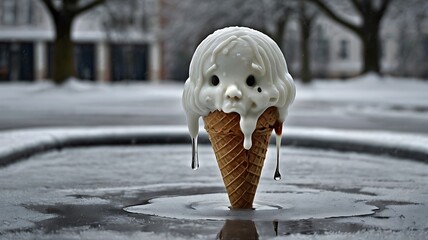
(237, 69)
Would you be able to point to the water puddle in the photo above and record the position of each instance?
(269, 206)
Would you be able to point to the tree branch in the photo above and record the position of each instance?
(312, 17)
(383, 7)
(357, 5)
(326, 9)
(87, 7)
(51, 8)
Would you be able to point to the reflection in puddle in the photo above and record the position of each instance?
(275, 227)
(238, 229)
(248, 229)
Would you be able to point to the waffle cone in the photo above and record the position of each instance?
(239, 167)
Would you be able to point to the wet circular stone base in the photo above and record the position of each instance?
(294, 204)
(150, 192)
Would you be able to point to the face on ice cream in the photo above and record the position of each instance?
(237, 69)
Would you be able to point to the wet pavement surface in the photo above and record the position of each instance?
(150, 192)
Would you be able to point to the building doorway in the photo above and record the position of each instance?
(128, 62)
(16, 61)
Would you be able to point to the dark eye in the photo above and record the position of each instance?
(251, 81)
(214, 80)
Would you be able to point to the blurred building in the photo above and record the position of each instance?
(106, 48)
(336, 51)
(120, 41)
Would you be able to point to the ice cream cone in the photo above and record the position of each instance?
(240, 168)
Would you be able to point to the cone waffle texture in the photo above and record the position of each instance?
(240, 168)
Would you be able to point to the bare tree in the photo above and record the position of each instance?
(411, 17)
(279, 13)
(122, 18)
(370, 13)
(63, 15)
(188, 22)
(306, 19)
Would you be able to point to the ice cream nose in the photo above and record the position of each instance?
(232, 92)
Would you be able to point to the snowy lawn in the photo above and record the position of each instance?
(365, 103)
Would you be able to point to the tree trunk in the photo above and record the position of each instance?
(63, 55)
(305, 68)
(63, 64)
(305, 31)
(371, 47)
(368, 32)
(280, 28)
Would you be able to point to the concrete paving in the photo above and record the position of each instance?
(94, 191)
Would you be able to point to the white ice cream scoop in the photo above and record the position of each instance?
(237, 69)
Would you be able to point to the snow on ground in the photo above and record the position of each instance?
(372, 95)
(369, 89)
(134, 103)
(368, 102)
(85, 97)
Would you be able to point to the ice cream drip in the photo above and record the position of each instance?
(277, 175)
(278, 138)
(195, 158)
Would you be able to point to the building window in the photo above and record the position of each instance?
(25, 12)
(129, 62)
(14, 12)
(321, 52)
(9, 8)
(321, 46)
(4, 61)
(344, 49)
